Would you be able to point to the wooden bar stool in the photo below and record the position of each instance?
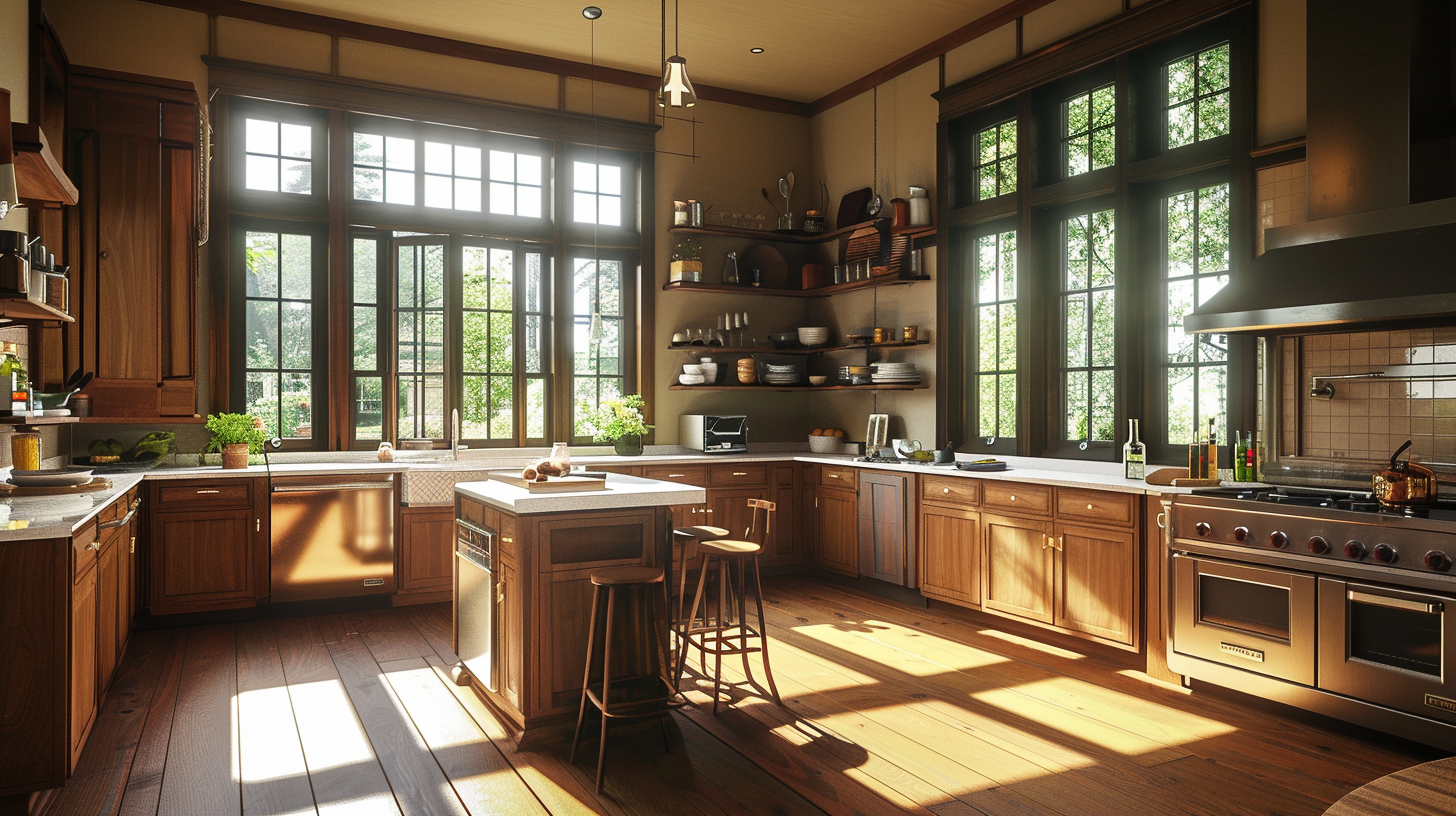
(684, 550)
(727, 632)
(640, 696)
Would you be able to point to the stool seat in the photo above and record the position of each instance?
(730, 546)
(626, 576)
(701, 531)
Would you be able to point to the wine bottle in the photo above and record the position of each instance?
(1212, 461)
(1240, 454)
(1133, 453)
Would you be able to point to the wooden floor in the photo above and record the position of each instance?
(889, 710)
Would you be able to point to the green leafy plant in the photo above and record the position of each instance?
(236, 429)
(687, 250)
(616, 417)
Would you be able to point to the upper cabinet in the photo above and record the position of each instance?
(132, 243)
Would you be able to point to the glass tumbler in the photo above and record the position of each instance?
(25, 451)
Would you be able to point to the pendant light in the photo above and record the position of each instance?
(676, 90)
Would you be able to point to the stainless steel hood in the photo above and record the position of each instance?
(1381, 110)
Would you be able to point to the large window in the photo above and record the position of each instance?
(1077, 260)
(473, 282)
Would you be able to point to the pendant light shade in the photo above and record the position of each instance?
(677, 89)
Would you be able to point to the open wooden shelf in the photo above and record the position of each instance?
(38, 420)
(814, 350)
(795, 237)
(915, 387)
(108, 420)
(28, 310)
(823, 291)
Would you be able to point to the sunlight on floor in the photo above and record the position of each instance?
(913, 664)
(325, 704)
(267, 736)
(1030, 644)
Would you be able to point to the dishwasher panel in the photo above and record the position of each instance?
(332, 537)
(476, 596)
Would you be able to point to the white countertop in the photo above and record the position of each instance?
(622, 491)
(31, 517)
(279, 469)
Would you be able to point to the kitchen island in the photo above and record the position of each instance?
(545, 547)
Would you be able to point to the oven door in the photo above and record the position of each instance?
(1251, 618)
(1388, 646)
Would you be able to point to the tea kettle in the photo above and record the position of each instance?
(1405, 484)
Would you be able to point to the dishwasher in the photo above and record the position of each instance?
(475, 600)
(332, 537)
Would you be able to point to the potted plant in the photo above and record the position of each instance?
(619, 421)
(236, 436)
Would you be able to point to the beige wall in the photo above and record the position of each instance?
(15, 77)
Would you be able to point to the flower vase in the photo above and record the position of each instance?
(628, 445)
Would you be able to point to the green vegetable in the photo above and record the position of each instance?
(104, 447)
(234, 429)
(154, 445)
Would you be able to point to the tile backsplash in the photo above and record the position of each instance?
(1279, 197)
(1368, 419)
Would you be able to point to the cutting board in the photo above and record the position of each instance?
(7, 489)
(556, 484)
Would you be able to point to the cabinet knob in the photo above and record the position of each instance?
(1013, 497)
(1089, 507)
(945, 490)
(105, 255)
(94, 546)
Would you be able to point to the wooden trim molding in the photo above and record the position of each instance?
(237, 78)
(444, 46)
(1131, 30)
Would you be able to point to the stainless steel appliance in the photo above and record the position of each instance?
(713, 434)
(1321, 599)
(475, 600)
(332, 537)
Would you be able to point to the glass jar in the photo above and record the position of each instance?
(25, 451)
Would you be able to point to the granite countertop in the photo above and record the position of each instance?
(279, 469)
(621, 492)
(31, 517)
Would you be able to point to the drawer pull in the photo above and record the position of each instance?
(739, 473)
(676, 475)
(94, 546)
(205, 492)
(833, 475)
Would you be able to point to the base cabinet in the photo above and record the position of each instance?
(83, 682)
(950, 554)
(886, 529)
(424, 555)
(1096, 584)
(1017, 566)
(836, 526)
(208, 548)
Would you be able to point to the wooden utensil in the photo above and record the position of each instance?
(770, 201)
(788, 197)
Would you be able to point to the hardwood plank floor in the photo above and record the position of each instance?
(889, 710)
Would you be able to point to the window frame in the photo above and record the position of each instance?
(238, 227)
(630, 353)
(967, 297)
(264, 203)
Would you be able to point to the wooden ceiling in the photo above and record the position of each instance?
(811, 50)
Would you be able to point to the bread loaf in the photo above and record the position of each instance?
(529, 474)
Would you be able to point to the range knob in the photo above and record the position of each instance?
(1202, 528)
(1437, 560)
(1278, 540)
(1318, 545)
(1241, 533)
(1354, 549)
(1385, 554)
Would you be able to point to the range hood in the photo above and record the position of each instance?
(1380, 97)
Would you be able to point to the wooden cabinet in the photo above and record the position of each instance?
(210, 552)
(511, 617)
(132, 242)
(950, 554)
(836, 528)
(785, 537)
(424, 555)
(1096, 582)
(108, 606)
(1017, 567)
(83, 670)
(886, 529)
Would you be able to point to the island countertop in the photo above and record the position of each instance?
(622, 491)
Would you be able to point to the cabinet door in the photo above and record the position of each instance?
(83, 661)
(838, 532)
(885, 536)
(510, 614)
(950, 554)
(1016, 567)
(728, 508)
(126, 603)
(1096, 581)
(202, 561)
(108, 606)
(426, 550)
(784, 535)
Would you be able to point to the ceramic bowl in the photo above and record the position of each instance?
(691, 379)
(818, 379)
(693, 368)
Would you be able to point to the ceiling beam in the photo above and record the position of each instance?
(983, 25)
(429, 43)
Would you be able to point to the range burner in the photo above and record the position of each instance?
(1353, 501)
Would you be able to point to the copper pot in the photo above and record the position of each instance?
(1405, 484)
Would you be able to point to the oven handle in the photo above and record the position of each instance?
(1432, 608)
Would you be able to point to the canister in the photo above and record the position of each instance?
(25, 451)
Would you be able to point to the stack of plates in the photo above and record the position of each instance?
(895, 373)
(781, 374)
(813, 335)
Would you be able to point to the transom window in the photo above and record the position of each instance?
(384, 169)
(995, 168)
(996, 346)
(279, 156)
(1089, 139)
(452, 176)
(597, 197)
(1196, 266)
(515, 184)
(1198, 96)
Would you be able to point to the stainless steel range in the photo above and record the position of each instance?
(1319, 599)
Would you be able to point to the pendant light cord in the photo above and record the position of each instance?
(875, 96)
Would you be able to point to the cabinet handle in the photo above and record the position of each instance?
(1013, 497)
(1160, 520)
(833, 475)
(1044, 542)
(205, 492)
(133, 544)
(257, 525)
(1089, 507)
(676, 475)
(94, 546)
(500, 593)
(1058, 542)
(945, 490)
(709, 511)
(507, 540)
(739, 473)
(105, 255)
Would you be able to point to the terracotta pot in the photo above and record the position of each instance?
(235, 456)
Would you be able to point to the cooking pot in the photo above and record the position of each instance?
(1405, 484)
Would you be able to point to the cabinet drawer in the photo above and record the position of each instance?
(839, 478)
(201, 494)
(1016, 497)
(949, 490)
(86, 542)
(739, 476)
(696, 475)
(1096, 505)
(470, 510)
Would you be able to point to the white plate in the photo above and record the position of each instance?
(50, 478)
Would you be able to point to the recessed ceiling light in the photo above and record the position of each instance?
(757, 49)
(591, 12)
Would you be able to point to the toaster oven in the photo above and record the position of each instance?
(714, 434)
